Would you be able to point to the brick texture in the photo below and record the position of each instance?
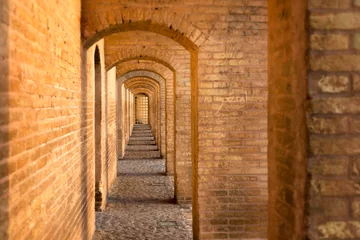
(152, 46)
(213, 57)
(230, 66)
(333, 120)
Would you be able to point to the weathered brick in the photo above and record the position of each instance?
(335, 187)
(330, 166)
(355, 208)
(342, 20)
(324, 4)
(333, 125)
(334, 146)
(339, 229)
(335, 62)
(354, 123)
(334, 207)
(336, 105)
(334, 84)
(356, 82)
(357, 41)
(329, 41)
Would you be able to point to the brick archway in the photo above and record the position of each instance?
(113, 19)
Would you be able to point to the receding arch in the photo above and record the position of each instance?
(189, 37)
(145, 58)
(143, 73)
(179, 36)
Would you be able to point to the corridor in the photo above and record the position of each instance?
(179, 119)
(141, 203)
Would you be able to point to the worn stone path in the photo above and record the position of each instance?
(141, 205)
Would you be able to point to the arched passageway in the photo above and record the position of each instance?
(254, 110)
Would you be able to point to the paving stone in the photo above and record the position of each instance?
(141, 205)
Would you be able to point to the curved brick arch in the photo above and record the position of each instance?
(141, 90)
(134, 65)
(144, 58)
(134, 81)
(140, 53)
(142, 73)
(100, 20)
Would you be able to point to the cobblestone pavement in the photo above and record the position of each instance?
(141, 205)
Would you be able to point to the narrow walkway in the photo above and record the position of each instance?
(141, 202)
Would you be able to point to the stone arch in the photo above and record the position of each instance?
(142, 73)
(143, 58)
(140, 53)
(112, 19)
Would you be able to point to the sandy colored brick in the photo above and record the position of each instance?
(324, 4)
(357, 41)
(335, 187)
(339, 230)
(334, 84)
(342, 21)
(335, 62)
(336, 105)
(325, 166)
(329, 41)
(334, 207)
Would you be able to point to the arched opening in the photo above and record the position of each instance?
(141, 109)
(97, 128)
(189, 157)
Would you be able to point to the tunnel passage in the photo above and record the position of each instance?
(227, 99)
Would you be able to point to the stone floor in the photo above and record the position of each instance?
(141, 205)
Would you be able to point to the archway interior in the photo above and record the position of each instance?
(176, 96)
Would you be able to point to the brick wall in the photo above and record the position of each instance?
(110, 128)
(232, 163)
(4, 116)
(47, 181)
(47, 147)
(333, 119)
(227, 43)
